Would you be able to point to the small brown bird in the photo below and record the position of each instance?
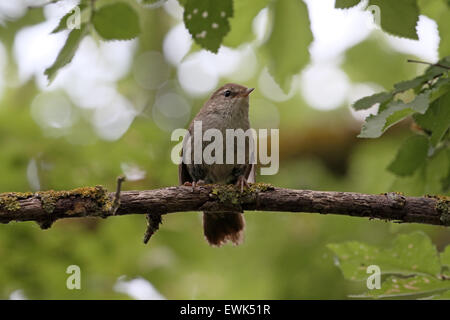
(227, 108)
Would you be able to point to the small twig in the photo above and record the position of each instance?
(153, 222)
(43, 4)
(428, 63)
(116, 201)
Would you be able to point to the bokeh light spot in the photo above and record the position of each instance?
(171, 111)
(150, 70)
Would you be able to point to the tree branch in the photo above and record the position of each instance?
(48, 206)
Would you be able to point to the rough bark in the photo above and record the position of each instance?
(48, 206)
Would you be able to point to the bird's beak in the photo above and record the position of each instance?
(248, 91)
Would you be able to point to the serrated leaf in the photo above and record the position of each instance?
(413, 185)
(367, 102)
(392, 113)
(241, 22)
(445, 181)
(441, 296)
(208, 21)
(421, 102)
(117, 21)
(354, 258)
(417, 83)
(441, 87)
(399, 17)
(62, 25)
(67, 52)
(444, 33)
(437, 169)
(413, 253)
(375, 125)
(345, 4)
(409, 254)
(441, 67)
(413, 286)
(396, 117)
(411, 155)
(436, 119)
(287, 46)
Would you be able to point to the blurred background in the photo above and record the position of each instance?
(112, 111)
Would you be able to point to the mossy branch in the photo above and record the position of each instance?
(45, 207)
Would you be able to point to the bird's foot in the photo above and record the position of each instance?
(241, 182)
(197, 183)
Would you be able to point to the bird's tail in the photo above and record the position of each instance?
(220, 227)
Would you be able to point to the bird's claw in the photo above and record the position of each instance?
(241, 182)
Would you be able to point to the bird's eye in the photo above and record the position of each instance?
(227, 93)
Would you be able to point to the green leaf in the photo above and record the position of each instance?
(441, 67)
(430, 73)
(443, 296)
(413, 253)
(441, 87)
(67, 52)
(152, 1)
(208, 21)
(408, 255)
(430, 178)
(421, 102)
(287, 46)
(415, 84)
(413, 286)
(394, 112)
(367, 102)
(399, 17)
(437, 170)
(444, 32)
(63, 22)
(241, 23)
(411, 155)
(117, 21)
(345, 4)
(436, 119)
